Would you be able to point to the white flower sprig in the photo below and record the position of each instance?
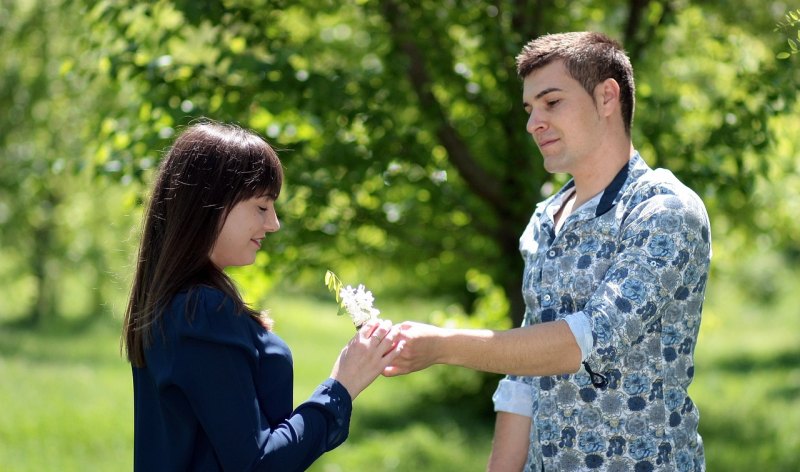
(356, 302)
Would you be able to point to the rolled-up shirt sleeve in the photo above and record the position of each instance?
(513, 395)
(582, 330)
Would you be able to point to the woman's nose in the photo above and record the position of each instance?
(272, 224)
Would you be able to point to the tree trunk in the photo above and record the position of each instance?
(43, 307)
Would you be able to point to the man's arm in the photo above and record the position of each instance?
(511, 442)
(542, 349)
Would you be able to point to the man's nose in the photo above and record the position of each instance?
(534, 123)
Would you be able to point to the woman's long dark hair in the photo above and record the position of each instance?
(210, 168)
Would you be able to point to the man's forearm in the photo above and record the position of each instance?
(510, 444)
(542, 349)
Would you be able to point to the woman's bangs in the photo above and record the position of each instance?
(264, 174)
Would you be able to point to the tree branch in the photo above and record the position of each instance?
(631, 36)
(477, 179)
(635, 41)
(524, 21)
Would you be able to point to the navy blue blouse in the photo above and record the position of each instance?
(216, 394)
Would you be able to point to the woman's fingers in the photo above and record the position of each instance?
(367, 355)
(368, 328)
(377, 331)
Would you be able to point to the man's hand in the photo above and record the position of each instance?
(422, 348)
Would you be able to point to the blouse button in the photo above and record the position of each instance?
(551, 253)
(546, 297)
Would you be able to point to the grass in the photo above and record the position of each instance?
(748, 375)
(67, 402)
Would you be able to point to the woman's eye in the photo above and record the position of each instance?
(552, 103)
(262, 208)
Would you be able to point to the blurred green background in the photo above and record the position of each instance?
(407, 168)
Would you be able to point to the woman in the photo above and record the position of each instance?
(212, 382)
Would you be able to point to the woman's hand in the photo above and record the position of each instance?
(370, 351)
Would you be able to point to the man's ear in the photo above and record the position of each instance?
(607, 96)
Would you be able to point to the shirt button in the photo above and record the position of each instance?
(551, 253)
(546, 297)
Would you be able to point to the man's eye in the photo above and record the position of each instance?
(262, 208)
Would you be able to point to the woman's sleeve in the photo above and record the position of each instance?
(213, 371)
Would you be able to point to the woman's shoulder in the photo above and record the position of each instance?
(208, 313)
(204, 296)
(201, 301)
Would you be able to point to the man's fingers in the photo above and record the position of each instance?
(392, 371)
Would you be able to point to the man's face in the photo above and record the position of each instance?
(562, 118)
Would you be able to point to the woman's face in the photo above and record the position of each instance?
(244, 228)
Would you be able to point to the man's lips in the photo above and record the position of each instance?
(257, 242)
(547, 142)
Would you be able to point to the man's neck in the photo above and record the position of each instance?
(567, 207)
(599, 173)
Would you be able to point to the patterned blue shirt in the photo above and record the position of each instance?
(628, 272)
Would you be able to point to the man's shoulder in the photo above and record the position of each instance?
(663, 185)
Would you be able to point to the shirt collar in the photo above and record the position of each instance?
(613, 192)
(610, 194)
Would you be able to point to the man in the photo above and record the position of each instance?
(616, 264)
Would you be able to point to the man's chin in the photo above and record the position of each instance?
(552, 165)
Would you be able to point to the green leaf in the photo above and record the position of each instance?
(334, 286)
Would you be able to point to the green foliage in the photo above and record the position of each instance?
(708, 106)
(488, 311)
(789, 26)
(367, 175)
(397, 121)
(53, 228)
(335, 287)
